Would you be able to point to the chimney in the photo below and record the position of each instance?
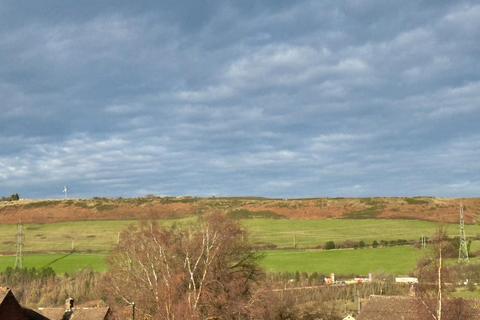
(412, 291)
(69, 304)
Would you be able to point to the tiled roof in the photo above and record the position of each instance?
(52, 313)
(412, 308)
(393, 308)
(78, 313)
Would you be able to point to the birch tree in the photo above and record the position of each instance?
(206, 271)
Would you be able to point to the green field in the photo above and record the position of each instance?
(101, 236)
(311, 233)
(59, 262)
(97, 236)
(94, 239)
(338, 261)
(395, 260)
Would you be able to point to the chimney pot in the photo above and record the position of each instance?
(69, 304)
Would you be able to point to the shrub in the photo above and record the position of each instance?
(248, 214)
(416, 201)
(329, 245)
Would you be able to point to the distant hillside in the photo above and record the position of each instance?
(422, 208)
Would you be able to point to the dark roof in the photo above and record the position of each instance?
(79, 313)
(3, 293)
(33, 315)
(413, 308)
(7, 296)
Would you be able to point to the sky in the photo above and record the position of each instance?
(231, 98)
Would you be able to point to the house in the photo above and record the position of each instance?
(363, 279)
(407, 280)
(12, 310)
(77, 313)
(331, 279)
(414, 308)
(349, 317)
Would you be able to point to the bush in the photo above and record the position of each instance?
(329, 245)
(417, 201)
(248, 214)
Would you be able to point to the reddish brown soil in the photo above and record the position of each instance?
(431, 209)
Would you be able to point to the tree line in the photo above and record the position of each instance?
(13, 197)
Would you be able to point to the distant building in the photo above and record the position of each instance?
(331, 279)
(408, 280)
(363, 279)
(10, 309)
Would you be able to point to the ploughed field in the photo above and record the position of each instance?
(294, 240)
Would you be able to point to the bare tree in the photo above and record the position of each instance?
(436, 279)
(203, 272)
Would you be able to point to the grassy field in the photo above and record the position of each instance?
(97, 236)
(466, 294)
(316, 232)
(94, 239)
(59, 262)
(395, 260)
(342, 262)
(101, 236)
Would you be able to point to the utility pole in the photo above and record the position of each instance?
(463, 248)
(357, 295)
(439, 304)
(19, 254)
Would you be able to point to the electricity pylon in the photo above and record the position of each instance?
(20, 239)
(463, 249)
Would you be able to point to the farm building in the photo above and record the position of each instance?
(413, 308)
(78, 313)
(408, 280)
(12, 310)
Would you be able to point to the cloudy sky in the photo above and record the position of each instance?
(269, 98)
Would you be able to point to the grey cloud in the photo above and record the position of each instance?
(276, 98)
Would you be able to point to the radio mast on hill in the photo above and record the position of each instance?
(463, 249)
(20, 239)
